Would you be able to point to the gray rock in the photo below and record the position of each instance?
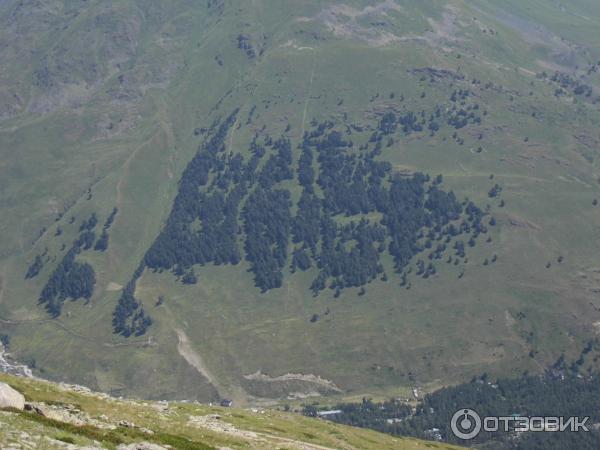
(142, 446)
(126, 424)
(9, 398)
(55, 413)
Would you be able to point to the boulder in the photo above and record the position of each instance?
(126, 424)
(9, 398)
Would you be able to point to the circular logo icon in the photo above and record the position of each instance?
(465, 424)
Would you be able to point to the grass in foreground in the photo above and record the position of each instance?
(109, 422)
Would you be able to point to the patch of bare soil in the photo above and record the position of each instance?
(113, 287)
(444, 30)
(194, 359)
(308, 378)
(343, 21)
(519, 222)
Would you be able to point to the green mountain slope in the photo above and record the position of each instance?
(103, 106)
(61, 414)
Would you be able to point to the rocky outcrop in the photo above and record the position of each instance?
(142, 446)
(9, 398)
(68, 414)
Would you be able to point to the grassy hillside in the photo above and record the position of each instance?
(86, 419)
(103, 106)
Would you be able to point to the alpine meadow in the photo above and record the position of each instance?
(276, 201)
